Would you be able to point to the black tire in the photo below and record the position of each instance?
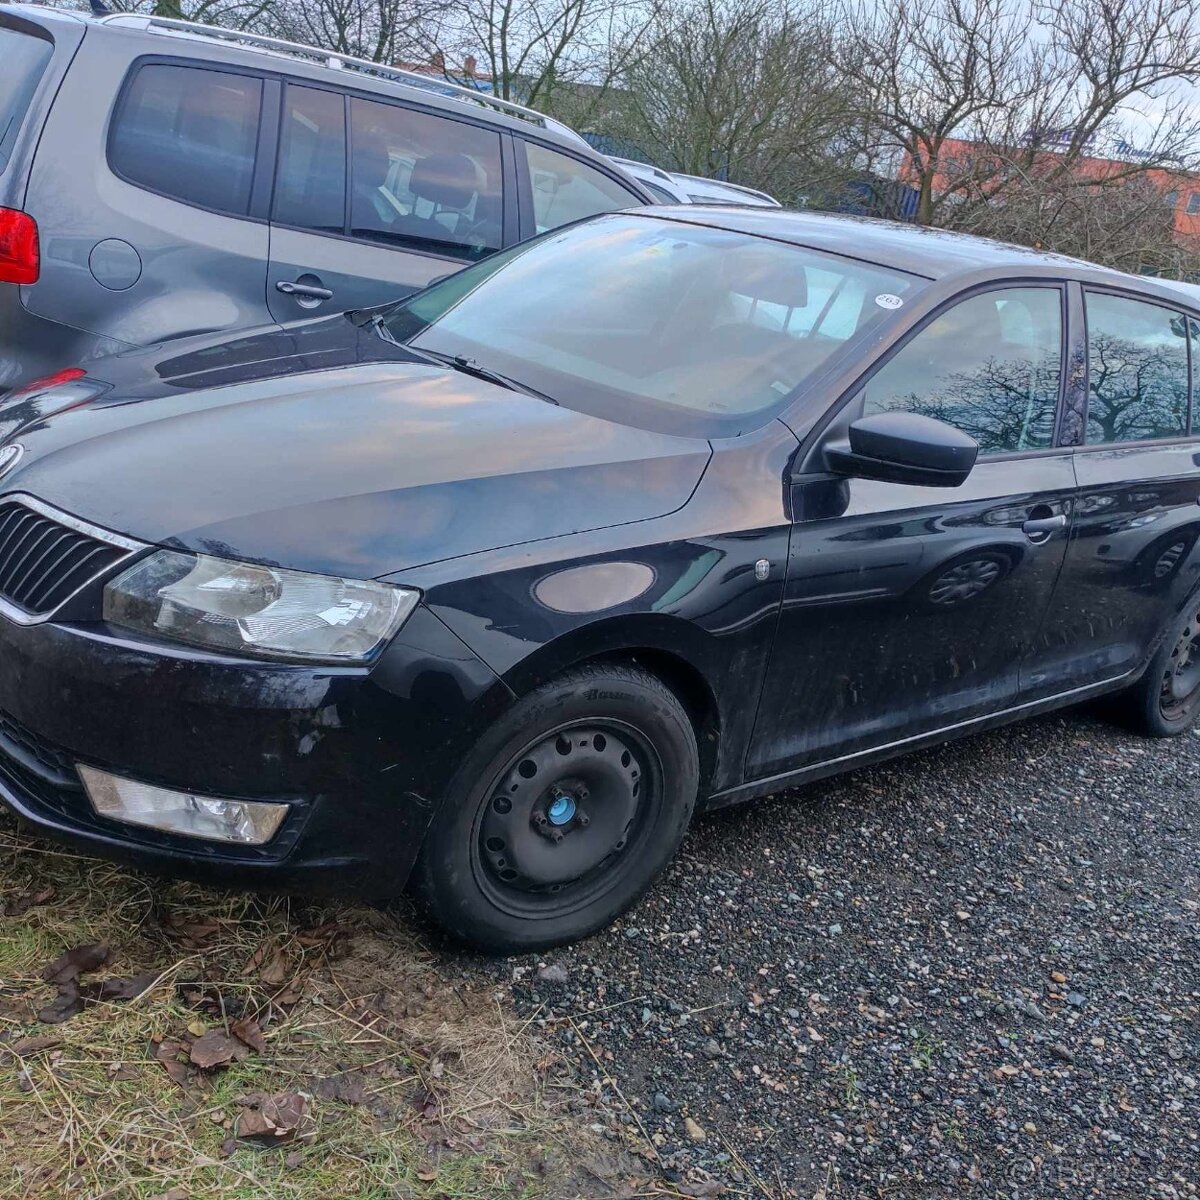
(563, 814)
(1165, 702)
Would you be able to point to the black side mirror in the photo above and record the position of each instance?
(901, 447)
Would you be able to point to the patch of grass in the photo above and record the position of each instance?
(417, 1086)
(851, 1094)
(925, 1050)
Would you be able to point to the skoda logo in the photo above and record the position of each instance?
(9, 457)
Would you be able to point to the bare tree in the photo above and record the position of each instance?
(384, 31)
(532, 51)
(743, 90)
(1026, 120)
(1124, 224)
(926, 72)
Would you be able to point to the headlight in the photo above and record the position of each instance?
(243, 608)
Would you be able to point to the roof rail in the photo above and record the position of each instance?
(337, 62)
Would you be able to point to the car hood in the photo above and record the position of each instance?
(362, 470)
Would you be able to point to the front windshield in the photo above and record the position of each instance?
(653, 322)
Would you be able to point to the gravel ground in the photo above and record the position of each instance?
(971, 971)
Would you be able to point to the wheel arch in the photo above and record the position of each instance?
(675, 651)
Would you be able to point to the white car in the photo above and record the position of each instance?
(671, 188)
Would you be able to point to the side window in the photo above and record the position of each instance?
(190, 134)
(425, 182)
(990, 365)
(1137, 371)
(565, 189)
(25, 58)
(310, 179)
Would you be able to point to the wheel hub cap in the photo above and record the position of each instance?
(562, 810)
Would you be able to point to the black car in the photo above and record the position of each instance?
(488, 591)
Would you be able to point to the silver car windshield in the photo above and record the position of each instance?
(679, 327)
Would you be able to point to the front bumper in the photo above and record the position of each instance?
(360, 755)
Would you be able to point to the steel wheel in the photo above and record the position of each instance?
(563, 812)
(564, 816)
(1181, 678)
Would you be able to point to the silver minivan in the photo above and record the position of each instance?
(160, 178)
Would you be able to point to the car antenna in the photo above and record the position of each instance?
(99, 8)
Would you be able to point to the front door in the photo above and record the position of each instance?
(374, 201)
(910, 609)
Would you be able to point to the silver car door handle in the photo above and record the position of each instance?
(307, 290)
(1045, 525)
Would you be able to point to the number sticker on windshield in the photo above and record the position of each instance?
(887, 300)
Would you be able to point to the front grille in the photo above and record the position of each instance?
(44, 562)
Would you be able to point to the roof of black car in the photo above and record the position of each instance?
(933, 253)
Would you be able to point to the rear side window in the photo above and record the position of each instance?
(990, 366)
(189, 133)
(1137, 371)
(565, 190)
(310, 184)
(24, 58)
(424, 182)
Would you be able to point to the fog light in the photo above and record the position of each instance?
(248, 822)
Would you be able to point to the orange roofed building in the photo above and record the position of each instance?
(1180, 189)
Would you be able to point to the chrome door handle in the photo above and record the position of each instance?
(306, 291)
(1043, 527)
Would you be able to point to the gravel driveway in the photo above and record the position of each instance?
(972, 971)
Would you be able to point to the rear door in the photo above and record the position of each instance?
(375, 199)
(1133, 556)
(148, 219)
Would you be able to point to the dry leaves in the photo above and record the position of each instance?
(283, 1117)
(215, 1049)
(75, 962)
(26, 900)
(72, 995)
(248, 1031)
(269, 963)
(27, 1046)
(193, 934)
(171, 1053)
(64, 973)
(348, 1087)
(124, 989)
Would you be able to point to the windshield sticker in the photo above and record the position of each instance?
(887, 300)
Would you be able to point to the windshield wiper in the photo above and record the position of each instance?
(378, 324)
(468, 366)
(362, 318)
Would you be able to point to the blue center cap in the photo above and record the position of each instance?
(562, 811)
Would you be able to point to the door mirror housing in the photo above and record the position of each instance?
(902, 447)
